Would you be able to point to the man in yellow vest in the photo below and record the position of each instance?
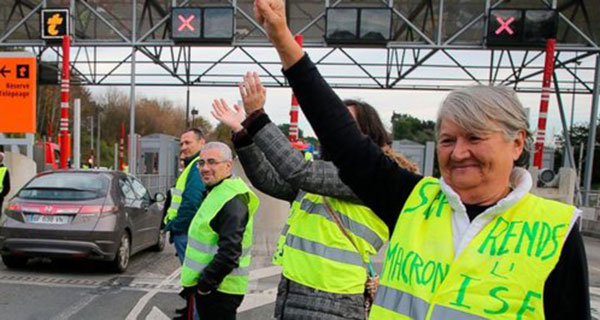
(4, 180)
(187, 195)
(217, 257)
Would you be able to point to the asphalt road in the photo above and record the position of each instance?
(60, 290)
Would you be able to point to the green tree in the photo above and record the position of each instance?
(405, 126)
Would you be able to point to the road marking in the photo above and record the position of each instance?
(156, 314)
(256, 300)
(135, 312)
(74, 309)
(594, 268)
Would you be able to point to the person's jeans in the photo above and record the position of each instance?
(180, 242)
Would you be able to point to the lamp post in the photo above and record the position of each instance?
(194, 113)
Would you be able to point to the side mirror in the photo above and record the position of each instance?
(159, 197)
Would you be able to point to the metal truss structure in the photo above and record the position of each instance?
(436, 45)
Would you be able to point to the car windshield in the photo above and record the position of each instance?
(66, 186)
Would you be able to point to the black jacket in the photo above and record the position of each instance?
(230, 224)
(384, 187)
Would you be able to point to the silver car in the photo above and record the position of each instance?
(102, 215)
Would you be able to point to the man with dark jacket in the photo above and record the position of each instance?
(4, 180)
(187, 195)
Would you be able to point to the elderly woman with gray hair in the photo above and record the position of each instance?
(474, 244)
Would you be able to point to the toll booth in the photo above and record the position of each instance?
(158, 162)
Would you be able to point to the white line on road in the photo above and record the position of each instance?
(156, 314)
(73, 309)
(256, 300)
(135, 312)
(264, 272)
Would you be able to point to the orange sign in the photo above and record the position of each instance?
(17, 92)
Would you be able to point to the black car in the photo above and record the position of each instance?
(102, 215)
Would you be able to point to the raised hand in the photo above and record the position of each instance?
(271, 15)
(231, 118)
(253, 93)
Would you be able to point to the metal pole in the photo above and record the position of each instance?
(541, 133)
(98, 141)
(569, 149)
(116, 163)
(589, 159)
(77, 134)
(132, 140)
(91, 132)
(294, 131)
(187, 108)
(573, 99)
(122, 147)
(64, 103)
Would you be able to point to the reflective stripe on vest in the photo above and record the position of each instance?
(177, 192)
(203, 240)
(3, 171)
(350, 225)
(314, 252)
(500, 274)
(278, 254)
(343, 256)
(415, 307)
(199, 267)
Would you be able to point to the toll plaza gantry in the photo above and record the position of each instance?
(366, 44)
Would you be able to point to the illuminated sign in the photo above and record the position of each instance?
(520, 27)
(210, 24)
(55, 23)
(17, 92)
(186, 23)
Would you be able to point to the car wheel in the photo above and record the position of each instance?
(161, 241)
(14, 262)
(121, 261)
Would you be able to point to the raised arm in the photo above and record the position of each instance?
(375, 178)
(258, 170)
(320, 177)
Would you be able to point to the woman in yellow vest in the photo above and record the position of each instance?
(324, 272)
(474, 244)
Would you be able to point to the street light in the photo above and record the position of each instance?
(194, 113)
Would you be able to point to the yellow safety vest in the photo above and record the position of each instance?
(3, 172)
(203, 240)
(314, 252)
(500, 274)
(177, 192)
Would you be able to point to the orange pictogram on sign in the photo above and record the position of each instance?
(53, 22)
(17, 92)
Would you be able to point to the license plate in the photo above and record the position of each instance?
(48, 219)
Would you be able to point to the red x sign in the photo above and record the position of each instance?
(505, 25)
(186, 23)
